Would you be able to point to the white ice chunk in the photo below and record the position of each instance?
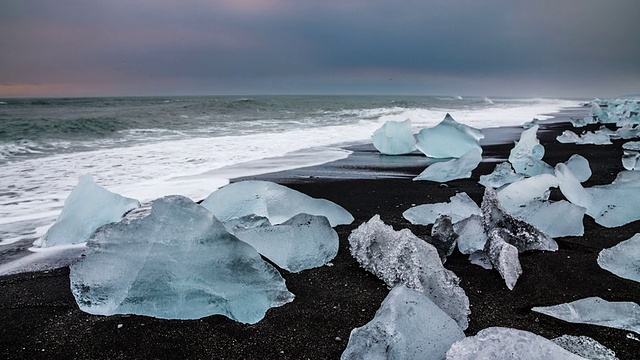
(600, 115)
(502, 174)
(556, 219)
(610, 206)
(407, 326)
(631, 155)
(503, 256)
(276, 202)
(400, 257)
(178, 262)
(481, 259)
(623, 259)
(579, 166)
(596, 311)
(568, 137)
(582, 122)
(586, 347)
(460, 206)
(627, 179)
(471, 235)
(300, 243)
(448, 139)
(506, 343)
(526, 155)
(88, 207)
(454, 169)
(394, 138)
(596, 138)
(515, 195)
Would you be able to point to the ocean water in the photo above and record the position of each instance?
(149, 147)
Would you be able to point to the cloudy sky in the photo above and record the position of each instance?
(447, 47)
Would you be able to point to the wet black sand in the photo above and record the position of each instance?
(40, 319)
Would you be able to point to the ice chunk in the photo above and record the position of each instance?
(515, 195)
(507, 343)
(503, 256)
(582, 122)
(631, 155)
(481, 259)
(276, 202)
(596, 311)
(407, 326)
(526, 156)
(586, 347)
(600, 115)
(448, 139)
(460, 168)
(300, 243)
(610, 206)
(545, 214)
(400, 257)
(443, 235)
(471, 235)
(178, 262)
(568, 137)
(623, 259)
(460, 206)
(503, 174)
(394, 138)
(601, 137)
(532, 123)
(579, 167)
(88, 207)
(626, 179)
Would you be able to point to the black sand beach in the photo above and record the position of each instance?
(40, 319)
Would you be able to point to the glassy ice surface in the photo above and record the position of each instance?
(631, 155)
(394, 138)
(454, 169)
(179, 262)
(609, 205)
(530, 124)
(481, 259)
(471, 235)
(443, 235)
(545, 214)
(579, 167)
(623, 259)
(526, 155)
(596, 311)
(406, 326)
(276, 202)
(586, 347)
(300, 243)
(503, 256)
(459, 207)
(88, 207)
(503, 174)
(506, 343)
(600, 137)
(568, 137)
(448, 139)
(400, 257)
(517, 194)
(627, 179)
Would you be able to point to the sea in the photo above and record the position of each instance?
(148, 147)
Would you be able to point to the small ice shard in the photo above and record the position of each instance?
(623, 259)
(276, 202)
(568, 137)
(443, 235)
(507, 343)
(300, 243)
(503, 174)
(394, 138)
(517, 194)
(179, 262)
(582, 122)
(460, 168)
(596, 311)
(481, 259)
(556, 219)
(88, 207)
(471, 235)
(610, 205)
(579, 167)
(526, 155)
(586, 347)
(400, 257)
(460, 206)
(406, 326)
(503, 256)
(631, 155)
(448, 139)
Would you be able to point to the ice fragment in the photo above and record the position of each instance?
(460, 206)
(503, 174)
(623, 259)
(460, 168)
(471, 235)
(526, 155)
(394, 138)
(586, 347)
(503, 256)
(443, 235)
(448, 139)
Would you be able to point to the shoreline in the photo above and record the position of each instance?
(41, 319)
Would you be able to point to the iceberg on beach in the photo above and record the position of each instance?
(276, 202)
(454, 169)
(623, 259)
(554, 218)
(517, 194)
(595, 138)
(503, 256)
(406, 326)
(394, 138)
(596, 311)
(400, 257)
(526, 155)
(88, 207)
(502, 174)
(585, 346)
(459, 207)
(300, 243)
(178, 262)
(631, 155)
(506, 343)
(448, 139)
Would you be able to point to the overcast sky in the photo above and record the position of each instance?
(467, 47)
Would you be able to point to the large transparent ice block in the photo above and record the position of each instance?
(459, 207)
(394, 138)
(448, 139)
(454, 169)
(623, 259)
(526, 155)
